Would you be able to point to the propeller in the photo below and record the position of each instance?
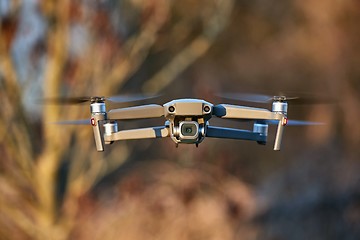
(74, 122)
(263, 98)
(296, 123)
(84, 99)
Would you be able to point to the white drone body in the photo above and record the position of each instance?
(187, 121)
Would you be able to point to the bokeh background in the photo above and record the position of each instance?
(54, 185)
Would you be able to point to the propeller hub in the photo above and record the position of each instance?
(97, 107)
(279, 98)
(97, 100)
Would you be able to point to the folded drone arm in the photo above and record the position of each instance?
(142, 133)
(138, 112)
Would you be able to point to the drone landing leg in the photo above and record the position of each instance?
(95, 120)
(279, 134)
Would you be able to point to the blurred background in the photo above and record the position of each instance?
(53, 183)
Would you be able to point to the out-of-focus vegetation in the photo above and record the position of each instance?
(53, 183)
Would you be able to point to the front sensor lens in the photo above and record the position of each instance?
(171, 109)
(206, 109)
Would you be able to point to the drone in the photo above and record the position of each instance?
(187, 121)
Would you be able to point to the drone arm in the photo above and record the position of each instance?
(142, 133)
(232, 133)
(241, 112)
(279, 133)
(138, 112)
(95, 122)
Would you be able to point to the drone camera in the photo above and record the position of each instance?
(189, 130)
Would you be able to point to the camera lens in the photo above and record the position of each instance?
(189, 129)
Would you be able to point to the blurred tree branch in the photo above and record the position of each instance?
(31, 174)
(214, 20)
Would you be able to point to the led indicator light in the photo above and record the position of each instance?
(284, 121)
(93, 122)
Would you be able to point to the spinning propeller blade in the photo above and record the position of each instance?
(83, 99)
(263, 98)
(65, 100)
(130, 98)
(296, 123)
(74, 122)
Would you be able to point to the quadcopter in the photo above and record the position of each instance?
(187, 121)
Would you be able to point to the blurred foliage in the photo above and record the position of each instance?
(53, 183)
